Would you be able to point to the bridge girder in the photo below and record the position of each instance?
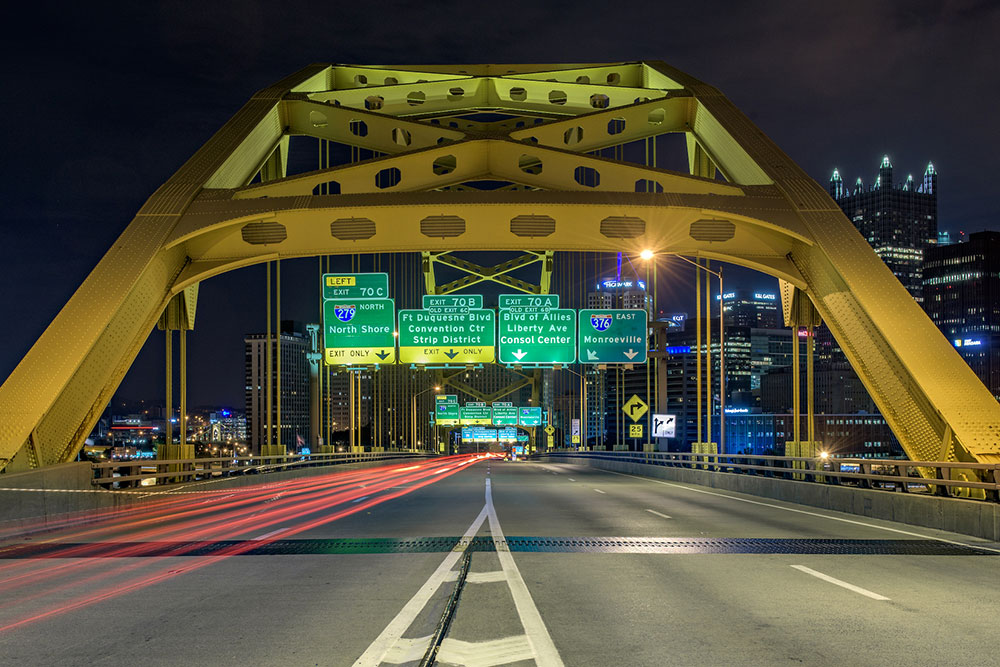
(769, 216)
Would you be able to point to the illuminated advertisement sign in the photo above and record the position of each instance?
(765, 297)
(623, 284)
(968, 342)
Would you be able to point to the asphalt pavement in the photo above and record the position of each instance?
(485, 562)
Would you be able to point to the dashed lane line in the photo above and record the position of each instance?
(601, 492)
(659, 514)
(838, 582)
(807, 512)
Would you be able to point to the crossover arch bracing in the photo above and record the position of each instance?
(232, 205)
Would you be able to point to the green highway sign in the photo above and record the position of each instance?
(507, 434)
(504, 415)
(529, 416)
(452, 303)
(358, 331)
(538, 336)
(612, 336)
(446, 410)
(447, 338)
(476, 414)
(355, 285)
(517, 302)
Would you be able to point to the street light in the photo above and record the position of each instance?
(413, 413)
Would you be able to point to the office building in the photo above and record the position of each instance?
(962, 297)
(290, 426)
(746, 308)
(899, 221)
(843, 435)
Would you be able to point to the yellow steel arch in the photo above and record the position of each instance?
(767, 214)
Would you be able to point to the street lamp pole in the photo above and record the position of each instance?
(722, 358)
(413, 415)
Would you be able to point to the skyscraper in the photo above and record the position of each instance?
(294, 395)
(962, 297)
(898, 221)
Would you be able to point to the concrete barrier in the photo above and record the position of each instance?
(63, 495)
(967, 517)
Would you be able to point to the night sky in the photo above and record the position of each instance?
(103, 105)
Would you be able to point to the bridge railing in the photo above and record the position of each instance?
(150, 472)
(979, 481)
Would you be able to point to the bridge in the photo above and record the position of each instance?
(403, 555)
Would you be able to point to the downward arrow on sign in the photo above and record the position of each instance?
(630, 354)
(382, 354)
(451, 354)
(519, 354)
(591, 355)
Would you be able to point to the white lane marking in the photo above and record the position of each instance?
(485, 577)
(543, 649)
(797, 511)
(409, 468)
(438, 472)
(496, 652)
(273, 532)
(571, 479)
(408, 649)
(665, 516)
(359, 499)
(838, 582)
(385, 642)
(599, 491)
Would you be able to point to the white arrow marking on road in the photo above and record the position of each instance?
(519, 354)
(630, 354)
(591, 355)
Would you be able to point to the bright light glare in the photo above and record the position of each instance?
(824, 455)
(646, 254)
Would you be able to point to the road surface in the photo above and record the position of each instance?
(485, 562)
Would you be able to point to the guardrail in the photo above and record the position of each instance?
(148, 472)
(979, 481)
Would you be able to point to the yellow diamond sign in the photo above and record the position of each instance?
(550, 429)
(635, 408)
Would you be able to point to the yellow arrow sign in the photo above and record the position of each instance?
(550, 429)
(635, 408)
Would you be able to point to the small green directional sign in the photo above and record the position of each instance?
(478, 414)
(452, 303)
(504, 414)
(529, 416)
(612, 336)
(359, 331)
(355, 285)
(455, 339)
(446, 409)
(518, 302)
(538, 337)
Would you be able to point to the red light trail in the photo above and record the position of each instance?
(303, 502)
